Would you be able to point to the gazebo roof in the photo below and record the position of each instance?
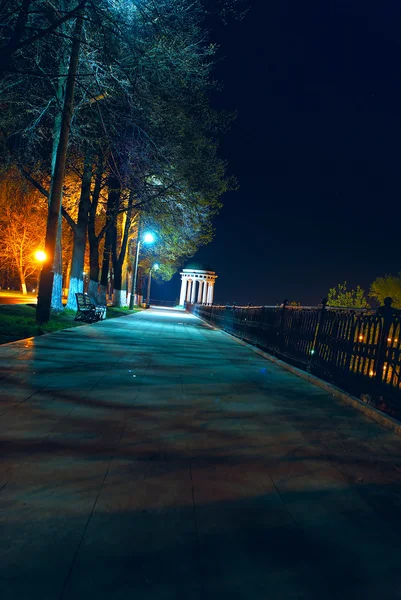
(197, 266)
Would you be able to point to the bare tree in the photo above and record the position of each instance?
(22, 221)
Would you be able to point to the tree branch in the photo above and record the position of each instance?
(33, 181)
(71, 14)
(45, 193)
(68, 218)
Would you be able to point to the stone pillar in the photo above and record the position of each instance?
(200, 291)
(204, 296)
(210, 293)
(189, 290)
(183, 295)
(193, 291)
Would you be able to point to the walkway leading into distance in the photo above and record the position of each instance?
(151, 457)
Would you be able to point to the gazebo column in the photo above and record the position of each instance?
(200, 291)
(193, 291)
(210, 293)
(189, 290)
(183, 294)
(204, 295)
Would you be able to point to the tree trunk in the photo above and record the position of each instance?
(66, 277)
(113, 199)
(104, 278)
(129, 286)
(21, 275)
(140, 287)
(47, 275)
(120, 293)
(93, 288)
(78, 253)
(57, 288)
(93, 239)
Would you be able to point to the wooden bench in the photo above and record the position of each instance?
(88, 312)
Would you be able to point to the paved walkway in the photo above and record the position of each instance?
(150, 457)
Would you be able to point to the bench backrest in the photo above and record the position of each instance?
(83, 300)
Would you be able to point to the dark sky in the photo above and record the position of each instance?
(316, 149)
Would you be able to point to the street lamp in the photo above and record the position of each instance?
(155, 267)
(148, 238)
(83, 281)
(40, 256)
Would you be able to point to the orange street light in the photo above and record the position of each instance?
(40, 256)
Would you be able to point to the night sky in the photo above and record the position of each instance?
(316, 149)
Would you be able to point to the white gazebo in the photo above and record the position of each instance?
(197, 285)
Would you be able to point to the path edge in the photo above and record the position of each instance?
(42, 335)
(369, 411)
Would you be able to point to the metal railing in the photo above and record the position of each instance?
(356, 349)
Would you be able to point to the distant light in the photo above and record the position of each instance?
(40, 255)
(389, 339)
(148, 238)
(156, 266)
(361, 338)
(371, 373)
(83, 272)
(312, 352)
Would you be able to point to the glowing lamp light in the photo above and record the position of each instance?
(156, 266)
(148, 238)
(389, 339)
(40, 256)
(371, 373)
(361, 338)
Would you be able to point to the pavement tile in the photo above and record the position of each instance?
(170, 462)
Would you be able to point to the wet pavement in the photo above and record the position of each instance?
(152, 457)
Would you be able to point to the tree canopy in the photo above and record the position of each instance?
(342, 297)
(106, 113)
(387, 286)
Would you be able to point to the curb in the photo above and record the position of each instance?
(41, 335)
(369, 411)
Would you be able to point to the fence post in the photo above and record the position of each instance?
(387, 313)
(281, 330)
(227, 316)
(320, 323)
(316, 339)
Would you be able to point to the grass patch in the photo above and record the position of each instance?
(123, 311)
(17, 321)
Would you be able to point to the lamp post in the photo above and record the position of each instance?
(83, 281)
(155, 267)
(40, 256)
(148, 238)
